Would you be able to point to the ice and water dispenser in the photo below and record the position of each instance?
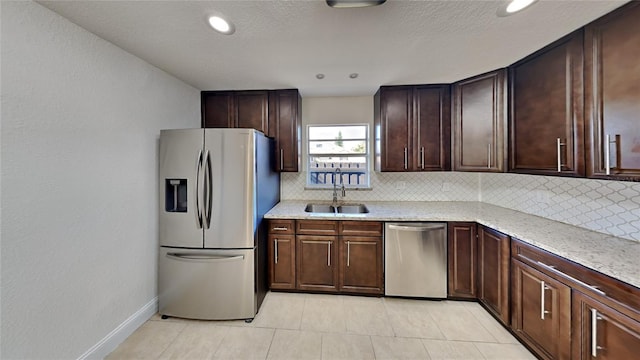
(175, 197)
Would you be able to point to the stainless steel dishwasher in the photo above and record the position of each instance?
(416, 259)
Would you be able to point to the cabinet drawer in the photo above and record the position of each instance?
(282, 226)
(317, 227)
(361, 228)
(615, 293)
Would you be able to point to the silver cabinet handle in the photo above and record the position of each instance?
(329, 253)
(607, 153)
(406, 158)
(553, 269)
(422, 157)
(281, 158)
(594, 333)
(489, 156)
(197, 191)
(280, 228)
(348, 252)
(559, 144)
(543, 287)
(275, 252)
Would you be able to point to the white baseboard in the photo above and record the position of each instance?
(120, 333)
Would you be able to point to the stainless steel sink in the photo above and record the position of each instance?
(320, 208)
(342, 209)
(353, 209)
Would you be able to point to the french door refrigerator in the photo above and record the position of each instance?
(215, 187)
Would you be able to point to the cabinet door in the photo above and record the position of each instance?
(462, 260)
(392, 120)
(546, 113)
(431, 127)
(316, 263)
(479, 122)
(252, 110)
(361, 264)
(217, 109)
(493, 272)
(284, 126)
(612, 94)
(541, 312)
(601, 332)
(282, 261)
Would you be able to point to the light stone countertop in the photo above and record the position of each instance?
(610, 255)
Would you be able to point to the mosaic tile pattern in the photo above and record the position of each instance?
(611, 207)
(432, 186)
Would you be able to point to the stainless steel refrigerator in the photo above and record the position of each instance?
(215, 187)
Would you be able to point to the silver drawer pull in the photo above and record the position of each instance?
(559, 144)
(594, 333)
(280, 229)
(543, 287)
(275, 245)
(553, 269)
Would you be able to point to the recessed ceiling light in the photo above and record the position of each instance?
(353, 75)
(319, 76)
(221, 25)
(353, 3)
(513, 6)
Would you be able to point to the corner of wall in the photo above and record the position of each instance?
(123, 331)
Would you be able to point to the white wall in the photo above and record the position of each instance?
(80, 128)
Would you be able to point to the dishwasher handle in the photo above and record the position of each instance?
(419, 228)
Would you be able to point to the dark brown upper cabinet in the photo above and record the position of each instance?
(217, 109)
(412, 128)
(479, 122)
(274, 112)
(546, 135)
(612, 94)
(284, 126)
(236, 109)
(252, 110)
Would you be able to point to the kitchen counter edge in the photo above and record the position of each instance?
(608, 254)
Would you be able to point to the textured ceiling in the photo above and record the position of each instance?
(284, 44)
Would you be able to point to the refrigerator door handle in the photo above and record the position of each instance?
(197, 192)
(217, 258)
(208, 191)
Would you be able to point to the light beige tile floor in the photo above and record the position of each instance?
(309, 326)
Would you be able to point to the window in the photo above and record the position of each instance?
(343, 147)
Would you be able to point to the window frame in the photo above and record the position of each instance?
(365, 183)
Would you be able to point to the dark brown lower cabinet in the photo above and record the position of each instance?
(601, 332)
(462, 260)
(282, 255)
(361, 264)
(317, 265)
(541, 311)
(493, 271)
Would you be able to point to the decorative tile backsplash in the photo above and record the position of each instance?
(610, 207)
(427, 186)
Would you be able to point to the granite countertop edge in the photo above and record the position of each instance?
(610, 255)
